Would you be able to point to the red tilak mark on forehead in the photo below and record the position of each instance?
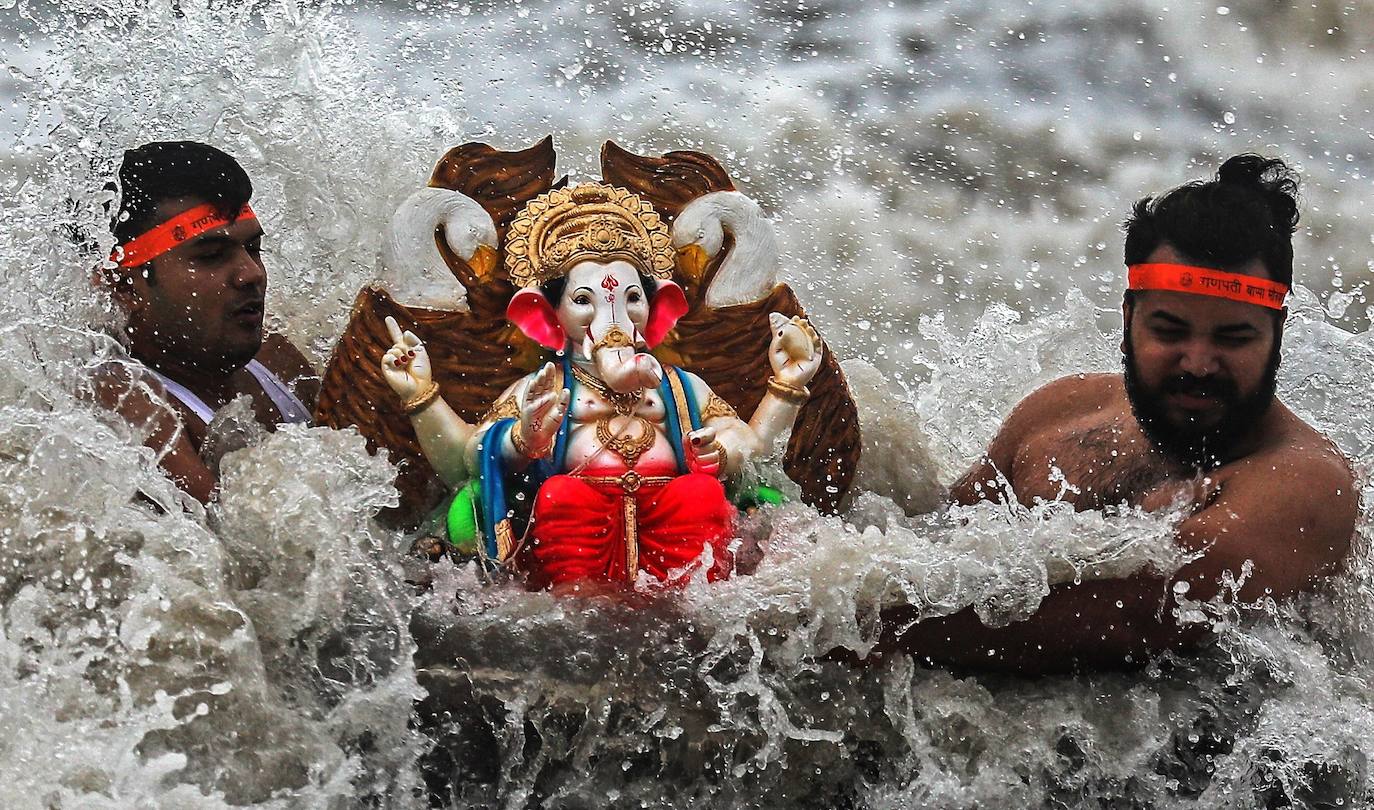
(610, 283)
(610, 299)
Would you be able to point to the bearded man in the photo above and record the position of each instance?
(188, 274)
(1193, 419)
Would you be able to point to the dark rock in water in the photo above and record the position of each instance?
(1317, 784)
(544, 715)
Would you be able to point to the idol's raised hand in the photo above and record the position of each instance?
(542, 406)
(796, 350)
(406, 364)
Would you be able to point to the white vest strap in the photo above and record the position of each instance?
(292, 410)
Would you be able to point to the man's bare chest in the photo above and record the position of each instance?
(1092, 463)
(265, 411)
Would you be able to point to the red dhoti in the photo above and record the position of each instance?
(610, 527)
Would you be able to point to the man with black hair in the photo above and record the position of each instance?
(1193, 420)
(188, 273)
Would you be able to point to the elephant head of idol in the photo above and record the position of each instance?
(594, 267)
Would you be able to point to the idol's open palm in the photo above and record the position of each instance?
(542, 407)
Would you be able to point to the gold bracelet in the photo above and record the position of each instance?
(787, 392)
(519, 443)
(419, 402)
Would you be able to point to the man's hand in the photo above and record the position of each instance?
(406, 364)
(542, 407)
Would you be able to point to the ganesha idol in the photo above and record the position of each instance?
(645, 357)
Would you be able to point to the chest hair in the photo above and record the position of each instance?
(1106, 467)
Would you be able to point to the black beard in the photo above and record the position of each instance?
(1195, 446)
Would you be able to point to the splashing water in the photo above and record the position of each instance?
(947, 179)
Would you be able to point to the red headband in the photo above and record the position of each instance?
(1206, 281)
(161, 238)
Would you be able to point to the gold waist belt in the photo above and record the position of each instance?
(629, 481)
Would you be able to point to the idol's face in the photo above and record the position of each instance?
(200, 303)
(1200, 371)
(599, 296)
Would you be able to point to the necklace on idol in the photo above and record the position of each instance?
(629, 448)
(622, 402)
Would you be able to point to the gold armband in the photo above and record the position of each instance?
(787, 392)
(421, 400)
(717, 407)
(505, 408)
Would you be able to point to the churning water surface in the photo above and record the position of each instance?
(947, 179)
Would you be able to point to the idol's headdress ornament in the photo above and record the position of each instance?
(1207, 281)
(588, 222)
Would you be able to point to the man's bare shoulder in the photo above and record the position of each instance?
(1298, 453)
(132, 391)
(1053, 407)
(283, 359)
(129, 388)
(1067, 398)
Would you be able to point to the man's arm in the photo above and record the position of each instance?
(1293, 518)
(1254, 517)
(143, 404)
(1075, 626)
(989, 478)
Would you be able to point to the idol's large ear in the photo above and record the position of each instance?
(668, 306)
(532, 312)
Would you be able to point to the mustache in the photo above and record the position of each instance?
(1192, 385)
(254, 301)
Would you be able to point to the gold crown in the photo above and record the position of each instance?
(590, 222)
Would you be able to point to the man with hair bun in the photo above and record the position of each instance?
(187, 271)
(1192, 420)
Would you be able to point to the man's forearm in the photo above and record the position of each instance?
(1075, 625)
